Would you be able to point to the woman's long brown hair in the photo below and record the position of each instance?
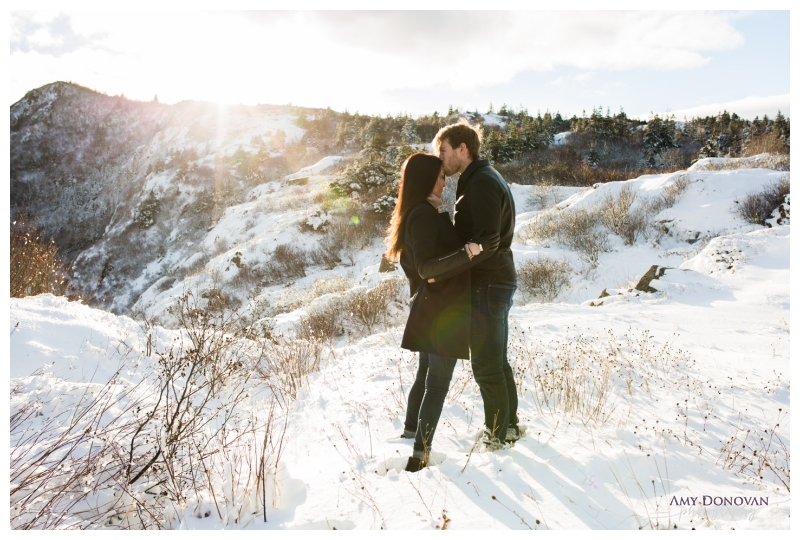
(417, 179)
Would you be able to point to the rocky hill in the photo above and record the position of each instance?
(121, 184)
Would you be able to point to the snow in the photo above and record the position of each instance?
(492, 119)
(757, 161)
(700, 361)
(321, 166)
(561, 138)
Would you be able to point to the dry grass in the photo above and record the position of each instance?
(672, 193)
(589, 377)
(145, 455)
(768, 143)
(331, 285)
(581, 231)
(294, 297)
(289, 198)
(754, 451)
(777, 162)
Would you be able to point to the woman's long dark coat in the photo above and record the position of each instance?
(439, 321)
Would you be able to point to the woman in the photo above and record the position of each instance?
(435, 262)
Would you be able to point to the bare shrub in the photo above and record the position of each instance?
(544, 278)
(579, 230)
(133, 456)
(356, 231)
(755, 451)
(330, 285)
(542, 229)
(589, 176)
(286, 199)
(249, 275)
(368, 307)
(218, 298)
(672, 192)
(589, 377)
(614, 213)
(197, 266)
(50, 465)
(287, 262)
(220, 246)
(617, 216)
(758, 206)
(351, 231)
(543, 196)
(323, 323)
(286, 364)
(672, 159)
(165, 283)
(34, 264)
(327, 252)
(255, 319)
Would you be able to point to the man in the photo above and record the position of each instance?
(484, 207)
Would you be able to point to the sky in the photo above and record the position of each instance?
(416, 62)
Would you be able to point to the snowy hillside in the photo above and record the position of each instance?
(121, 184)
(634, 402)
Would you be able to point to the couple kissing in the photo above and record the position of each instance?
(462, 280)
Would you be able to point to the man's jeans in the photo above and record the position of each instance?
(489, 350)
(426, 399)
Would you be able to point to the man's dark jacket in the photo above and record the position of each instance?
(439, 320)
(485, 206)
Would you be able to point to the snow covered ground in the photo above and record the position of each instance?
(643, 410)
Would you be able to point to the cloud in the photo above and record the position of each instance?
(470, 49)
(55, 37)
(749, 108)
(342, 58)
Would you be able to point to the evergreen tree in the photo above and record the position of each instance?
(343, 133)
(710, 148)
(403, 151)
(658, 137)
(492, 144)
(594, 157)
(513, 141)
(409, 134)
(781, 125)
(147, 212)
(373, 138)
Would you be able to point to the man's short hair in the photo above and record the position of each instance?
(460, 132)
